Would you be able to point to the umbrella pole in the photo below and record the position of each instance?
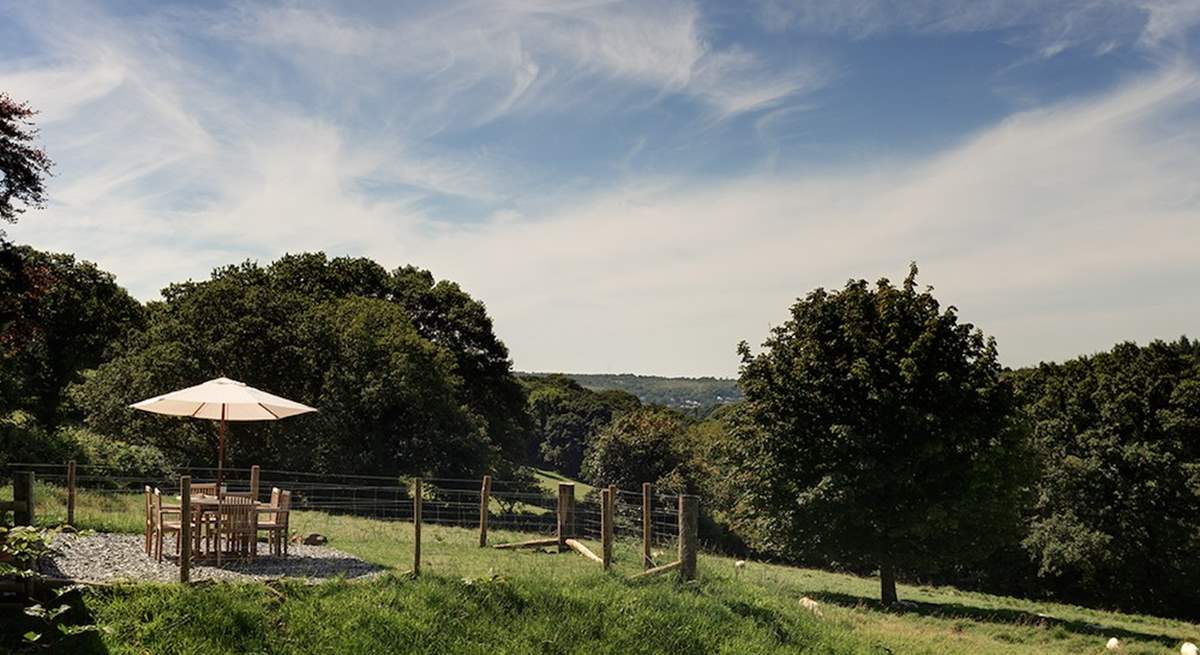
(221, 454)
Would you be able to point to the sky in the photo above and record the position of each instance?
(637, 187)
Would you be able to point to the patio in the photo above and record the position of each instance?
(105, 557)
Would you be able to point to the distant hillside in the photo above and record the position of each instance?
(681, 393)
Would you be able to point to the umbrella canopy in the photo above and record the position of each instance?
(223, 400)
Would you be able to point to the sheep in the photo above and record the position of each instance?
(811, 605)
(1113, 644)
(1188, 648)
(739, 566)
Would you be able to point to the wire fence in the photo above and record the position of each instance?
(517, 506)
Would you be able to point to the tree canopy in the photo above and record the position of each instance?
(23, 166)
(879, 433)
(1118, 438)
(566, 417)
(392, 372)
(58, 317)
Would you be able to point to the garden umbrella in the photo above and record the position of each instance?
(225, 400)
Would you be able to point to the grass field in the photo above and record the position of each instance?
(472, 600)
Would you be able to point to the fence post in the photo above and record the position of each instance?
(566, 498)
(688, 515)
(23, 493)
(71, 493)
(485, 496)
(185, 528)
(647, 526)
(606, 526)
(255, 472)
(417, 526)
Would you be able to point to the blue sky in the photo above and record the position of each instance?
(639, 186)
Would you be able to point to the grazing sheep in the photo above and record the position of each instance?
(739, 566)
(811, 605)
(1113, 644)
(1188, 648)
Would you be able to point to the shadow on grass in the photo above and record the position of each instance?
(15, 623)
(997, 616)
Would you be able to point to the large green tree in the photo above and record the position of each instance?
(877, 434)
(442, 313)
(643, 445)
(58, 317)
(327, 333)
(1118, 435)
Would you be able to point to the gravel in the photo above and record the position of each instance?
(108, 557)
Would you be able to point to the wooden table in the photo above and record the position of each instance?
(204, 509)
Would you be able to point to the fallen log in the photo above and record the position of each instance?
(658, 569)
(532, 543)
(578, 547)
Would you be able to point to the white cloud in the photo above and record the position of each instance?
(499, 58)
(1060, 230)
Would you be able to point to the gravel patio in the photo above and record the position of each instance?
(104, 557)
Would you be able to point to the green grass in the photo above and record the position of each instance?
(549, 481)
(473, 600)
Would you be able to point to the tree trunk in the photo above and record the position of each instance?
(887, 583)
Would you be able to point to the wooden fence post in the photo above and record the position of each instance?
(485, 497)
(647, 526)
(566, 502)
(688, 518)
(417, 526)
(185, 526)
(71, 493)
(23, 493)
(606, 526)
(255, 472)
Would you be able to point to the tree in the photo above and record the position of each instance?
(389, 398)
(58, 318)
(639, 446)
(442, 313)
(22, 166)
(877, 434)
(1118, 438)
(566, 417)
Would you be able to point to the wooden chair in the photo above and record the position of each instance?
(149, 527)
(203, 488)
(236, 523)
(162, 525)
(276, 523)
(205, 521)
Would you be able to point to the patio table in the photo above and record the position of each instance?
(204, 511)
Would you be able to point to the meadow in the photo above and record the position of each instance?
(473, 600)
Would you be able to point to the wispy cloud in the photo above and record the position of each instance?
(1059, 229)
(1045, 27)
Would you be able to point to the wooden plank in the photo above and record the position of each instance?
(658, 569)
(532, 543)
(23, 494)
(647, 525)
(577, 546)
(485, 495)
(185, 528)
(566, 494)
(606, 527)
(688, 535)
(417, 526)
(255, 476)
(71, 493)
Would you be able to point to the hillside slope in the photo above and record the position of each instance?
(679, 393)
